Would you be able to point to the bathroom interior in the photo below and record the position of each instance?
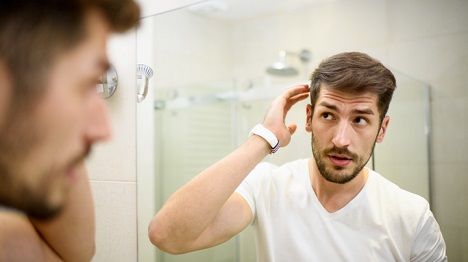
(216, 66)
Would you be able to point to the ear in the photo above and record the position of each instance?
(383, 129)
(309, 112)
(5, 91)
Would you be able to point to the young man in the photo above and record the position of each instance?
(52, 53)
(326, 208)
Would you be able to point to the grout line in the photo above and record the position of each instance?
(112, 181)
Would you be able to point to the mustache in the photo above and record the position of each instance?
(81, 156)
(341, 151)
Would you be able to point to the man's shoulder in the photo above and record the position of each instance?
(294, 168)
(398, 198)
(19, 240)
(266, 173)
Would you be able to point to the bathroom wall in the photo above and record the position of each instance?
(112, 166)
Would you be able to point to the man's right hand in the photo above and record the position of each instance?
(275, 117)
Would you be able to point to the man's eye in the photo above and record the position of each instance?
(360, 121)
(327, 116)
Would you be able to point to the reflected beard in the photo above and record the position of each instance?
(337, 174)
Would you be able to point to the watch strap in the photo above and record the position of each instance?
(266, 134)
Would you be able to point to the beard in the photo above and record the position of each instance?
(338, 174)
(39, 193)
(33, 200)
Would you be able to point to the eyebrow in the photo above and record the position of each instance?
(366, 111)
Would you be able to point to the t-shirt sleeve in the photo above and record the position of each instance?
(249, 188)
(429, 244)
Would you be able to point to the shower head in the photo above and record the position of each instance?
(281, 68)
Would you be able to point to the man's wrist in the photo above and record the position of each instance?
(268, 136)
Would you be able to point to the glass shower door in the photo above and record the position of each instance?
(195, 128)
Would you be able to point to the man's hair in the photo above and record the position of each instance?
(354, 73)
(34, 32)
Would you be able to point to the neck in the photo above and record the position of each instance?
(334, 196)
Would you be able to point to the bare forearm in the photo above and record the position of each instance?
(190, 210)
(71, 233)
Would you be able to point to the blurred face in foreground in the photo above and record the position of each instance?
(42, 147)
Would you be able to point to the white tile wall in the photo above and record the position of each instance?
(116, 159)
(112, 166)
(423, 19)
(115, 204)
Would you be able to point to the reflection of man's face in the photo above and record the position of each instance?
(344, 131)
(42, 148)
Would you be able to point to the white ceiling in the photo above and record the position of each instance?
(243, 9)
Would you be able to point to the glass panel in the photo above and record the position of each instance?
(195, 127)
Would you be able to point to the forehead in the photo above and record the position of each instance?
(343, 100)
(89, 55)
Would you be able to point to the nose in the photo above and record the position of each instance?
(342, 135)
(98, 127)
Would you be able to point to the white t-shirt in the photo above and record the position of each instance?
(382, 223)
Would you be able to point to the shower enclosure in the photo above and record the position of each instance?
(198, 124)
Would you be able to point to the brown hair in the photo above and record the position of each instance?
(354, 73)
(33, 32)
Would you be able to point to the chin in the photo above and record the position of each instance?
(339, 175)
(49, 201)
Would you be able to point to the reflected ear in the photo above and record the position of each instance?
(309, 112)
(383, 129)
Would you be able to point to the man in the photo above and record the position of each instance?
(52, 53)
(326, 208)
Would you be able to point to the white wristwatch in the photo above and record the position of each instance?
(266, 134)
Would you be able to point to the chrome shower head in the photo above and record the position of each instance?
(281, 68)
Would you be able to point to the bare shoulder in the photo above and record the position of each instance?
(19, 240)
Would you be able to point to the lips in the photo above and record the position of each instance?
(339, 160)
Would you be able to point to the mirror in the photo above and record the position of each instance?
(211, 86)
